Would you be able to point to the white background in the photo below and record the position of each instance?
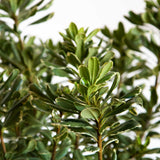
(85, 13)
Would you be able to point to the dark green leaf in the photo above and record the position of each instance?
(45, 18)
(131, 124)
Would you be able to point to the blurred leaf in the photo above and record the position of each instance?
(73, 59)
(30, 147)
(91, 149)
(154, 96)
(63, 150)
(13, 5)
(45, 18)
(73, 30)
(135, 92)
(42, 151)
(84, 73)
(78, 155)
(91, 113)
(93, 33)
(66, 104)
(106, 32)
(41, 106)
(75, 123)
(124, 127)
(107, 57)
(114, 156)
(134, 18)
(109, 142)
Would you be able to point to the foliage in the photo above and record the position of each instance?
(93, 111)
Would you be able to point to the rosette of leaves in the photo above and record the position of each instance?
(19, 51)
(77, 47)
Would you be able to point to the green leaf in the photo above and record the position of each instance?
(79, 39)
(78, 155)
(134, 18)
(30, 147)
(107, 77)
(106, 32)
(41, 105)
(120, 109)
(93, 33)
(14, 114)
(120, 32)
(64, 149)
(80, 106)
(92, 52)
(93, 67)
(46, 6)
(135, 92)
(66, 104)
(131, 124)
(91, 113)
(84, 73)
(73, 59)
(109, 142)
(38, 91)
(12, 76)
(75, 123)
(42, 151)
(114, 84)
(13, 5)
(14, 88)
(73, 30)
(104, 70)
(114, 155)
(154, 96)
(82, 89)
(107, 57)
(43, 19)
(91, 149)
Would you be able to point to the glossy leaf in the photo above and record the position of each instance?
(73, 30)
(104, 70)
(93, 67)
(84, 73)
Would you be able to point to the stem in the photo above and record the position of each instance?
(16, 24)
(77, 142)
(2, 142)
(55, 143)
(100, 153)
(157, 76)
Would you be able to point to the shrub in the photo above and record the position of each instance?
(101, 108)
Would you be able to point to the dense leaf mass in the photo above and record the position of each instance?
(101, 108)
